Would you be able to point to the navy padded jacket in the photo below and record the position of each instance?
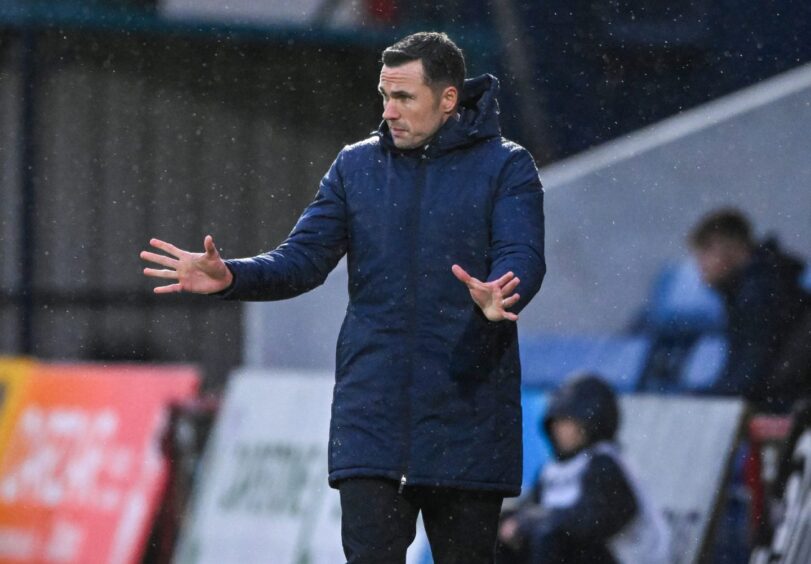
(426, 387)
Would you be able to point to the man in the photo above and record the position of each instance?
(768, 312)
(426, 411)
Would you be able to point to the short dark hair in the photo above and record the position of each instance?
(441, 58)
(728, 223)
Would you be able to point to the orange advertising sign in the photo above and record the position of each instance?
(13, 377)
(82, 472)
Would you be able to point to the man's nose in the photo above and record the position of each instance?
(389, 112)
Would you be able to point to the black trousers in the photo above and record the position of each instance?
(378, 523)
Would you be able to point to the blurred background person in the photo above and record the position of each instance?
(586, 507)
(768, 312)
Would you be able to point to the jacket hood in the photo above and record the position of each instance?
(769, 262)
(771, 256)
(477, 119)
(588, 399)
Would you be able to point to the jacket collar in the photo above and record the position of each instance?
(477, 119)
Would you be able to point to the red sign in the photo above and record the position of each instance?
(82, 472)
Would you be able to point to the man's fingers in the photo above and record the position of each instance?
(170, 289)
(161, 273)
(489, 296)
(471, 282)
(504, 279)
(162, 260)
(510, 286)
(166, 247)
(511, 301)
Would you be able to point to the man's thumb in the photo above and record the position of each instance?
(460, 273)
(210, 247)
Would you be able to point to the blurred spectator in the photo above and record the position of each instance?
(768, 312)
(586, 507)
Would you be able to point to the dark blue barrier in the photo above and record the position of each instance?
(547, 360)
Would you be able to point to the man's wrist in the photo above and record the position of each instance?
(230, 278)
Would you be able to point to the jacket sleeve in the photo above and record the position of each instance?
(517, 239)
(606, 505)
(752, 342)
(303, 261)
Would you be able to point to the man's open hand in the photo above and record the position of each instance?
(494, 298)
(200, 273)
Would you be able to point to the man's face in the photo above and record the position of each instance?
(719, 259)
(413, 110)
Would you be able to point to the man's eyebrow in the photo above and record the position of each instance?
(395, 93)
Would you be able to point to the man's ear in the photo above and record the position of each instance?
(449, 99)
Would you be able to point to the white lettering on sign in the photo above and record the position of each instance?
(18, 543)
(269, 478)
(66, 456)
(65, 542)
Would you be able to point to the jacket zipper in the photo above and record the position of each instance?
(413, 313)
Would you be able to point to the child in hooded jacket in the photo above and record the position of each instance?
(586, 506)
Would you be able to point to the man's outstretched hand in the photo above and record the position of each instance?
(494, 298)
(200, 273)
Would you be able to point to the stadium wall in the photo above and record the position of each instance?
(159, 136)
(616, 214)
